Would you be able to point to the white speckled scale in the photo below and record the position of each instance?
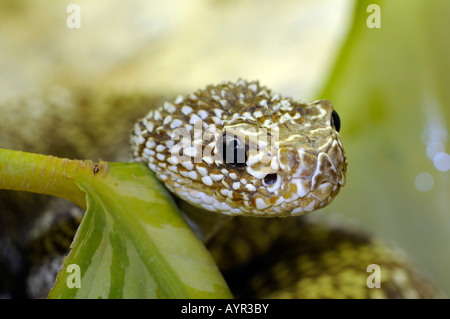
(294, 161)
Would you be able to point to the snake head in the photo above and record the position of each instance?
(239, 149)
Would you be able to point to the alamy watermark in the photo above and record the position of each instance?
(374, 279)
(74, 279)
(374, 19)
(73, 20)
(234, 145)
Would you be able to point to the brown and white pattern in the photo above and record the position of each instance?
(286, 157)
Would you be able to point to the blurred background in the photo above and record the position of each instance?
(73, 87)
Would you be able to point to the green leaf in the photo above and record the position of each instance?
(133, 243)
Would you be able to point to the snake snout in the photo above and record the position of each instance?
(297, 162)
(320, 174)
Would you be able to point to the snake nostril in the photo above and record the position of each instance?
(270, 179)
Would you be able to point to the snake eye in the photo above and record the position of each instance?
(335, 121)
(233, 151)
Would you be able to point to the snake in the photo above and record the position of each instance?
(235, 151)
(247, 167)
(244, 151)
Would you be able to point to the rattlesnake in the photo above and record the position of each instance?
(239, 149)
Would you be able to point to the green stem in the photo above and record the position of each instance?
(50, 175)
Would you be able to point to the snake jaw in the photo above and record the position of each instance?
(294, 160)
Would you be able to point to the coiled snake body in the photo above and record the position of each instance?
(240, 150)
(236, 151)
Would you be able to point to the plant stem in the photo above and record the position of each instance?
(50, 175)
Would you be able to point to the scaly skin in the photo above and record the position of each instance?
(303, 258)
(292, 162)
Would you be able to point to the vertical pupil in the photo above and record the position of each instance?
(234, 153)
(236, 150)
